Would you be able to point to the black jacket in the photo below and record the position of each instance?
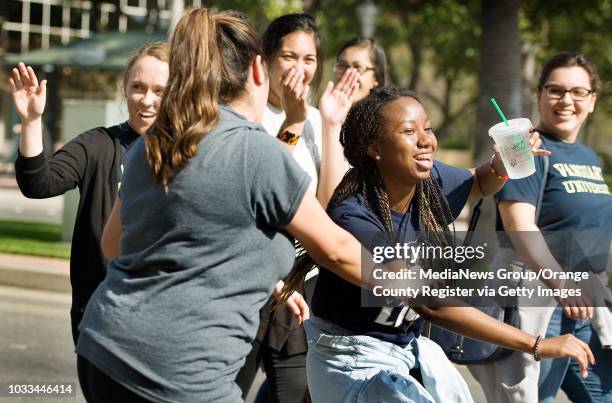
(92, 161)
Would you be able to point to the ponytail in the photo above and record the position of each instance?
(210, 56)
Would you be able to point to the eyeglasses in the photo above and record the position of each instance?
(340, 67)
(577, 93)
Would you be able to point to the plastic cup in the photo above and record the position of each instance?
(513, 140)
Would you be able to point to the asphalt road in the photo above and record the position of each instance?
(35, 342)
(36, 345)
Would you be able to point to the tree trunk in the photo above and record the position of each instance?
(311, 6)
(530, 80)
(417, 60)
(446, 108)
(500, 78)
(529, 83)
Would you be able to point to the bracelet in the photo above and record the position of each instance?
(494, 172)
(288, 137)
(536, 348)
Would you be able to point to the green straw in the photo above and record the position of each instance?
(501, 114)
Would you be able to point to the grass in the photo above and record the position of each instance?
(33, 238)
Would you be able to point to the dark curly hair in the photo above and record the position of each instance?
(364, 123)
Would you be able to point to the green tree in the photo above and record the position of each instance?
(570, 25)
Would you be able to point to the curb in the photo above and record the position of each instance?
(35, 273)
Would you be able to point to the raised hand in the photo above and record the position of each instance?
(337, 100)
(28, 95)
(294, 96)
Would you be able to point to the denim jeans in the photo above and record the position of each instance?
(565, 374)
(342, 367)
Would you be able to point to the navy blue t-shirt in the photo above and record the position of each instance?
(576, 211)
(339, 301)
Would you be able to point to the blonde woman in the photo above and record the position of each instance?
(91, 161)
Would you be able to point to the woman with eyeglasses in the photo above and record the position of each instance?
(575, 202)
(369, 59)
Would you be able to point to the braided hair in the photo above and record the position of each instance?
(364, 123)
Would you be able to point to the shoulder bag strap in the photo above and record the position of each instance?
(457, 349)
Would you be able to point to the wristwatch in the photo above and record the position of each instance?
(288, 137)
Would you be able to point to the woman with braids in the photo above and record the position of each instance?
(207, 198)
(570, 233)
(394, 191)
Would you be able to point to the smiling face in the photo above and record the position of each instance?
(297, 49)
(406, 145)
(563, 117)
(146, 83)
(360, 58)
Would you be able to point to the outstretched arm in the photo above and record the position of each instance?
(475, 324)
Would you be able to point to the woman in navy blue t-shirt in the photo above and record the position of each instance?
(395, 191)
(571, 233)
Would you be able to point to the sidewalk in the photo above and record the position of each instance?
(35, 272)
(8, 181)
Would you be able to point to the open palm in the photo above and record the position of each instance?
(28, 95)
(337, 100)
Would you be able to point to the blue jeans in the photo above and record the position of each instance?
(343, 367)
(565, 373)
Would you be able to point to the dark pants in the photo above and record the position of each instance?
(286, 374)
(98, 387)
(282, 352)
